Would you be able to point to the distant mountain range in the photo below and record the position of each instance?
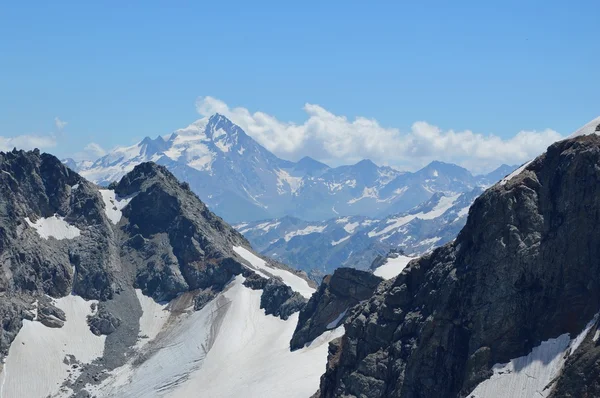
(354, 241)
(242, 181)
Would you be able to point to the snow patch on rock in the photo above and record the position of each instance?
(393, 267)
(311, 229)
(113, 205)
(55, 227)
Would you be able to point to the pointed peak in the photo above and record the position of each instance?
(366, 163)
(218, 118)
(307, 161)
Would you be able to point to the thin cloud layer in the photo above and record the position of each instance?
(336, 140)
(27, 142)
(59, 124)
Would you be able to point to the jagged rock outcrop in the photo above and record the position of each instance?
(525, 269)
(176, 243)
(103, 322)
(62, 237)
(331, 304)
(380, 260)
(280, 300)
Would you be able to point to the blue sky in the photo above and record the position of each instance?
(117, 73)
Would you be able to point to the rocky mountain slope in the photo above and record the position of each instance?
(510, 308)
(320, 247)
(139, 290)
(242, 181)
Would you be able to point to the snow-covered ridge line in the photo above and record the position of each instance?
(295, 282)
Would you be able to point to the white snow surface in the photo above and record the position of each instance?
(154, 316)
(113, 205)
(34, 367)
(392, 267)
(515, 173)
(295, 282)
(337, 242)
(230, 348)
(351, 227)
(284, 178)
(531, 375)
(443, 205)
(55, 227)
(589, 128)
(311, 229)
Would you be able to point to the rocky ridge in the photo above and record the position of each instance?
(525, 269)
(62, 237)
(332, 303)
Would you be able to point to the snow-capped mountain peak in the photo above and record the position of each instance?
(242, 181)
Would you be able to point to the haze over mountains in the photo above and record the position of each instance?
(319, 247)
(242, 181)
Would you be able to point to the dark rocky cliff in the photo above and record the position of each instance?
(332, 303)
(525, 268)
(165, 242)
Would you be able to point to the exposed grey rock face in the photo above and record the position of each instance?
(525, 268)
(35, 186)
(332, 303)
(255, 281)
(176, 243)
(50, 316)
(103, 322)
(280, 300)
(165, 243)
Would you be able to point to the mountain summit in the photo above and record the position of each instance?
(242, 181)
(139, 290)
(509, 309)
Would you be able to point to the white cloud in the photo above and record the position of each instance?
(94, 149)
(91, 151)
(59, 124)
(337, 140)
(27, 142)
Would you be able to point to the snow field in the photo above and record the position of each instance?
(35, 366)
(393, 267)
(55, 227)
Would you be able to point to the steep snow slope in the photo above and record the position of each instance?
(41, 358)
(534, 374)
(230, 348)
